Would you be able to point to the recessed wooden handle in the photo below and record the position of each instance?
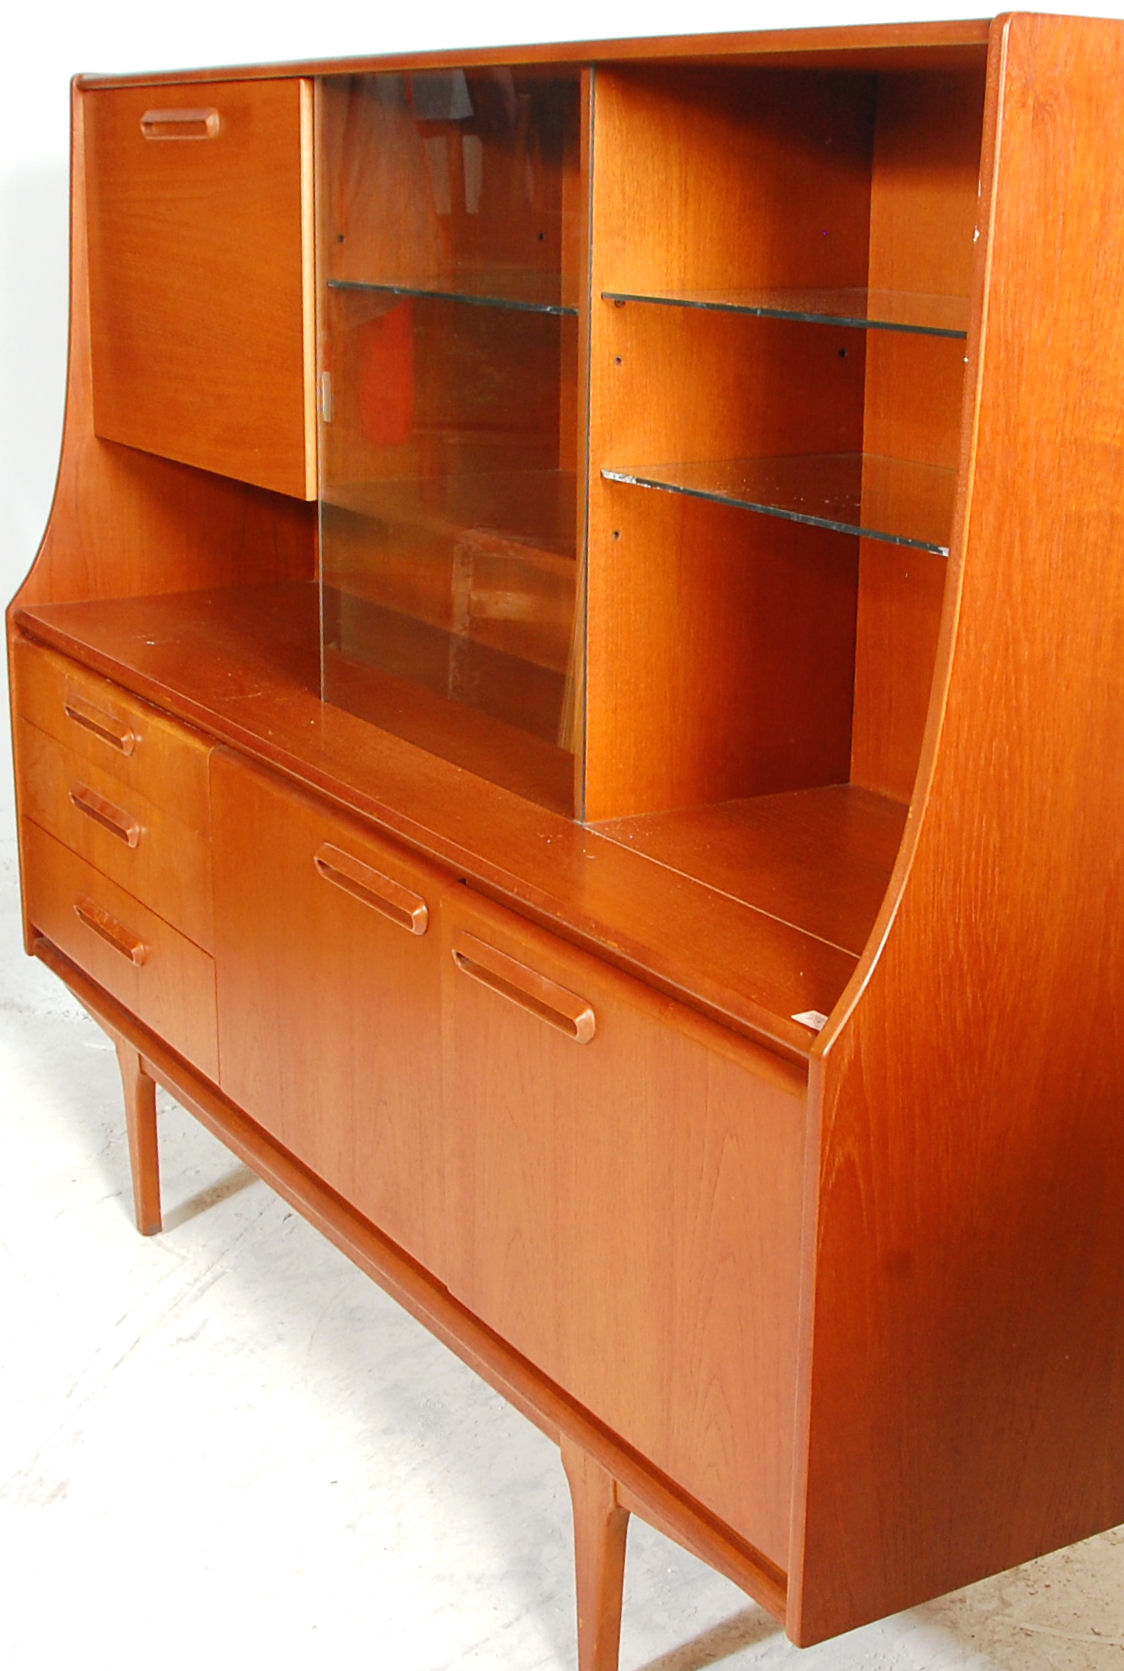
(113, 932)
(112, 730)
(369, 886)
(524, 986)
(115, 819)
(181, 124)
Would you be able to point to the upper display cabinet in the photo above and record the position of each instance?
(453, 239)
(200, 271)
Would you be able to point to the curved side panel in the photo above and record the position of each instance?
(125, 523)
(964, 1305)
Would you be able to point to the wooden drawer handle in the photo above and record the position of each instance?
(370, 887)
(115, 933)
(524, 986)
(107, 726)
(112, 818)
(181, 124)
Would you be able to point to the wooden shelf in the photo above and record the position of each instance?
(819, 859)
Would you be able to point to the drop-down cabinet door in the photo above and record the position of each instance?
(200, 245)
(627, 1211)
(329, 999)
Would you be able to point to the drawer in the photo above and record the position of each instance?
(629, 1205)
(329, 999)
(157, 973)
(159, 860)
(201, 305)
(102, 724)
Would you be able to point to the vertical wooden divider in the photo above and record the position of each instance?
(923, 206)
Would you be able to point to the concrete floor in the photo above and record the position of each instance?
(224, 1446)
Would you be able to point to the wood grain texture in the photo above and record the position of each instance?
(124, 945)
(600, 1534)
(113, 732)
(818, 858)
(201, 335)
(574, 1161)
(172, 527)
(883, 46)
(720, 653)
(719, 645)
(329, 1009)
(244, 665)
(924, 203)
(144, 1152)
(694, 164)
(855, 1340)
(901, 596)
(163, 861)
(964, 1355)
(640, 1488)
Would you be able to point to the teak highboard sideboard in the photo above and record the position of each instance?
(570, 710)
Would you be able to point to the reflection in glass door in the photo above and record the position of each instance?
(452, 243)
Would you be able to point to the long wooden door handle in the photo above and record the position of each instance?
(115, 819)
(557, 1005)
(115, 933)
(370, 887)
(112, 730)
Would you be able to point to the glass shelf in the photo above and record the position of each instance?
(520, 292)
(875, 310)
(535, 508)
(854, 493)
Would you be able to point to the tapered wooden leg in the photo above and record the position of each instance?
(144, 1154)
(600, 1533)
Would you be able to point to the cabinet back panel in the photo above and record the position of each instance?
(722, 662)
(925, 183)
(900, 598)
(681, 384)
(924, 205)
(707, 178)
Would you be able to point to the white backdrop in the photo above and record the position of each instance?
(61, 40)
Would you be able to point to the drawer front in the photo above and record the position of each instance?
(328, 984)
(629, 1206)
(200, 243)
(159, 860)
(100, 723)
(157, 973)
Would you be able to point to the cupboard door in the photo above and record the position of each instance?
(628, 1206)
(200, 294)
(328, 999)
